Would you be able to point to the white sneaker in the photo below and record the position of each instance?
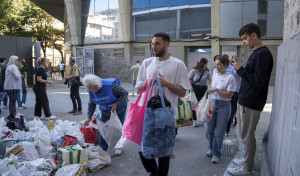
(118, 152)
(23, 106)
(51, 117)
(195, 124)
(239, 171)
(20, 108)
(215, 160)
(209, 153)
(5, 107)
(239, 162)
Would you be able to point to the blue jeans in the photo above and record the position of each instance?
(24, 95)
(216, 127)
(121, 116)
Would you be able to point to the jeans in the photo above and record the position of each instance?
(121, 116)
(217, 125)
(5, 99)
(74, 95)
(12, 95)
(24, 95)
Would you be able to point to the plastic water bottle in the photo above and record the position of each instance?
(51, 125)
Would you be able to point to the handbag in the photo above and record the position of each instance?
(193, 83)
(76, 81)
(159, 129)
(133, 126)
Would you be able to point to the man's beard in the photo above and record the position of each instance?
(160, 53)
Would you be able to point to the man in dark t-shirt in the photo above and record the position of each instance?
(253, 94)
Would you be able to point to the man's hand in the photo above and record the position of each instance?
(209, 91)
(50, 82)
(87, 121)
(113, 106)
(163, 81)
(236, 64)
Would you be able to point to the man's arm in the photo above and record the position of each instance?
(178, 90)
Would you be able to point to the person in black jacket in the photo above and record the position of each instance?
(253, 93)
(2, 79)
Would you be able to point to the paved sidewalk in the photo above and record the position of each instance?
(190, 148)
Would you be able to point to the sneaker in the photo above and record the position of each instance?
(215, 160)
(209, 153)
(195, 124)
(239, 171)
(118, 152)
(23, 106)
(227, 134)
(239, 162)
(5, 107)
(73, 111)
(51, 117)
(77, 113)
(20, 108)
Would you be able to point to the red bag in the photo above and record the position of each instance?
(70, 140)
(89, 134)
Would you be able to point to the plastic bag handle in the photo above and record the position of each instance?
(147, 93)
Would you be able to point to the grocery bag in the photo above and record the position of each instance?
(111, 130)
(72, 155)
(159, 129)
(205, 109)
(89, 133)
(133, 126)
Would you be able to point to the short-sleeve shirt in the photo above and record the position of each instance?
(41, 72)
(135, 70)
(224, 82)
(172, 69)
(195, 75)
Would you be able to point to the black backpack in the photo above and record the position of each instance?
(15, 123)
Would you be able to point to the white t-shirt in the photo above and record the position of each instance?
(62, 67)
(224, 82)
(173, 70)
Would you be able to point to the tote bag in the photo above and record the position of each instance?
(133, 126)
(159, 129)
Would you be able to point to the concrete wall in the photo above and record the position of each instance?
(281, 151)
(21, 47)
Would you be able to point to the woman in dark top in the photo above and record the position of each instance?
(39, 89)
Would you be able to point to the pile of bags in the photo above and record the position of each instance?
(31, 149)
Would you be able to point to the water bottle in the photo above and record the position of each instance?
(50, 125)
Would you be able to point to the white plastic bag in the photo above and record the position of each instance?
(75, 131)
(193, 99)
(11, 171)
(127, 144)
(111, 130)
(205, 109)
(45, 149)
(25, 151)
(55, 134)
(37, 167)
(71, 170)
(98, 158)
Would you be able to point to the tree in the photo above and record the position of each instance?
(23, 18)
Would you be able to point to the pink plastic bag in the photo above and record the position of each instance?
(133, 126)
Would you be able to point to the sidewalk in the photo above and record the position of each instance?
(190, 148)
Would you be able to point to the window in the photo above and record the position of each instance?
(181, 19)
(140, 51)
(119, 52)
(103, 19)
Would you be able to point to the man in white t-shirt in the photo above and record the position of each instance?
(174, 80)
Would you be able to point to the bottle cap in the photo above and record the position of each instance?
(50, 121)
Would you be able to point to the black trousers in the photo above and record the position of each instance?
(233, 101)
(12, 95)
(199, 92)
(151, 166)
(62, 73)
(41, 101)
(74, 95)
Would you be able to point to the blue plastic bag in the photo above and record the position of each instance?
(159, 130)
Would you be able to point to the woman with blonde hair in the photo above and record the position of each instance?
(12, 83)
(39, 88)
